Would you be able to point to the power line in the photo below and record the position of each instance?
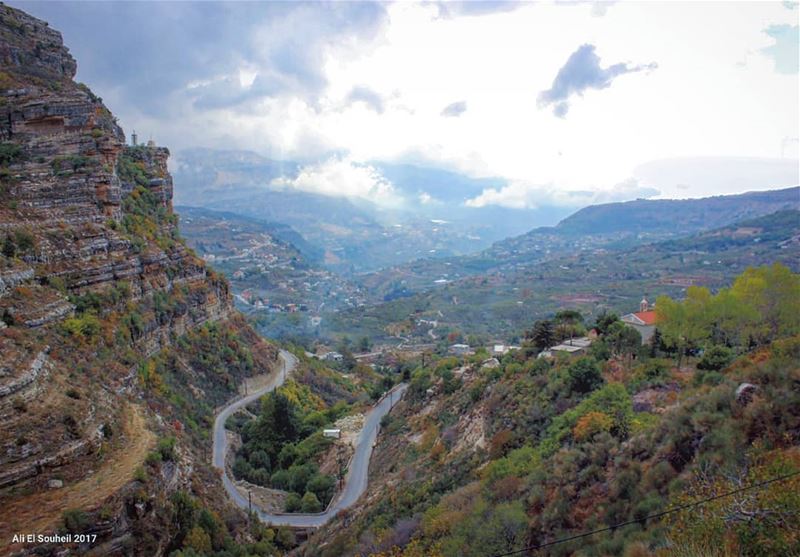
(648, 517)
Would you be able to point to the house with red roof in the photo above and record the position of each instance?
(643, 320)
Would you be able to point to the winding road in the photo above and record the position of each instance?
(356, 480)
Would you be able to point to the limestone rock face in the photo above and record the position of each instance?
(62, 184)
(91, 264)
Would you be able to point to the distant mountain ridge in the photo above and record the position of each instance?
(611, 225)
(651, 215)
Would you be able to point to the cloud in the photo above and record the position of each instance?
(455, 109)
(581, 72)
(367, 96)
(166, 46)
(784, 52)
(274, 77)
(342, 177)
(521, 195)
(457, 8)
(599, 7)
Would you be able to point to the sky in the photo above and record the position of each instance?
(567, 102)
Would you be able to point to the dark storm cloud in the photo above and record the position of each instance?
(367, 96)
(581, 72)
(455, 109)
(148, 52)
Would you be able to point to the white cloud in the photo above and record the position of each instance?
(701, 102)
(521, 195)
(342, 177)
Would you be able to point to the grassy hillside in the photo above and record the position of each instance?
(481, 459)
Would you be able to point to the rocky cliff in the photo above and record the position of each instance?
(97, 296)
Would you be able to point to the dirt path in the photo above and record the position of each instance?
(41, 512)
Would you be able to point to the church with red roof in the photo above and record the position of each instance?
(643, 320)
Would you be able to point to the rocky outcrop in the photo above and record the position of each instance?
(38, 367)
(90, 259)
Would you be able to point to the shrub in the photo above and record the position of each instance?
(198, 540)
(166, 447)
(584, 375)
(281, 479)
(10, 153)
(75, 520)
(292, 503)
(590, 424)
(715, 358)
(310, 504)
(655, 369)
(540, 366)
(86, 326)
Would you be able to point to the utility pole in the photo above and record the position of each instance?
(250, 501)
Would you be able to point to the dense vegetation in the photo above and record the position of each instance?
(280, 447)
(575, 444)
(283, 445)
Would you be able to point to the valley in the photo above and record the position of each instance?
(380, 351)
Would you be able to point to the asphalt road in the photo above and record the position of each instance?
(356, 480)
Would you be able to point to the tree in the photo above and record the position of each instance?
(310, 504)
(322, 486)
(542, 334)
(277, 425)
(731, 318)
(260, 459)
(687, 323)
(600, 350)
(773, 297)
(568, 323)
(604, 321)
(584, 375)
(623, 340)
(363, 344)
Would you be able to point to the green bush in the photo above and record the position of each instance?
(10, 153)
(292, 503)
(75, 521)
(310, 504)
(166, 447)
(584, 375)
(715, 358)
